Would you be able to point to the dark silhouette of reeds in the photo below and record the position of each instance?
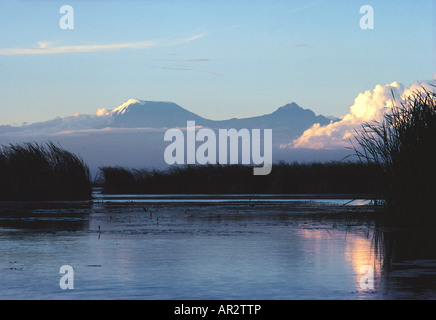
(42, 172)
(403, 146)
(285, 178)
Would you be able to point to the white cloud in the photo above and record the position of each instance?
(102, 112)
(46, 48)
(368, 107)
(198, 36)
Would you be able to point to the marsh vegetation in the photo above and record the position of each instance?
(285, 178)
(403, 147)
(42, 172)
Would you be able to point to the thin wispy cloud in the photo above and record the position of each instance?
(177, 69)
(305, 7)
(192, 70)
(165, 60)
(210, 72)
(197, 60)
(180, 60)
(298, 45)
(198, 36)
(185, 62)
(43, 48)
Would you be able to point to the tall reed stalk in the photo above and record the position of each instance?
(403, 145)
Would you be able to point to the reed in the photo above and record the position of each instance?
(403, 146)
(338, 177)
(42, 172)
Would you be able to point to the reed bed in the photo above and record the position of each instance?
(403, 147)
(335, 177)
(42, 172)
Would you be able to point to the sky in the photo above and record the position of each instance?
(219, 59)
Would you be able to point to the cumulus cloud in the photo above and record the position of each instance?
(367, 107)
(102, 112)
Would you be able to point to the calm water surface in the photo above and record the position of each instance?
(171, 248)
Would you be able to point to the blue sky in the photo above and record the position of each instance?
(219, 59)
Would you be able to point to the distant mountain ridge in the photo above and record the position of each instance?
(132, 134)
(288, 121)
(289, 115)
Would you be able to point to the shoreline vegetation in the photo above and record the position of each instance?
(35, 172)
(333, 177)
(403, 147)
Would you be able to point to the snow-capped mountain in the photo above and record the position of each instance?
(156, 114)
(290, 119)
(151, 114)
(132, 134)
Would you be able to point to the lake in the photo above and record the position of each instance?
(203, 247)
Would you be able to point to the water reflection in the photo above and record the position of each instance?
(358, 252)
(288, 250)
(45, 216)
(409, 257)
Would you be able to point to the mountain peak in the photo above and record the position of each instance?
(294, 109)
(122, 109)
(290, 106)
(136, 113)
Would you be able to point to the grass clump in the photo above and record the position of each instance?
(403, 146)
(42, 172)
